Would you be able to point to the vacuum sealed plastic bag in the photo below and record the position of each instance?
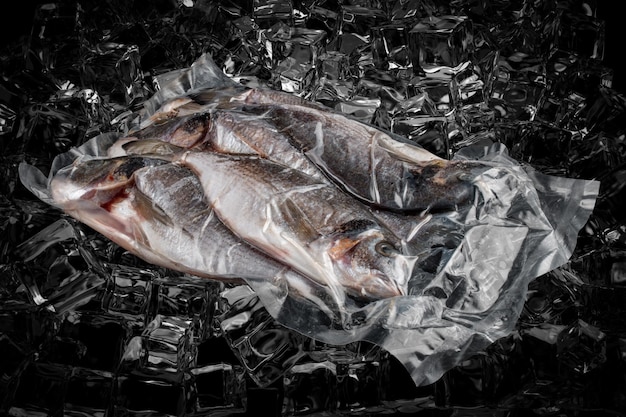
(346, 232)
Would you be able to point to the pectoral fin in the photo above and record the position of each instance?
(152, 147)
(297, 221)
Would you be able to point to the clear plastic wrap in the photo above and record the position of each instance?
(470, 265)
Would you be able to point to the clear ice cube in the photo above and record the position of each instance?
(40, 390)
(90, 340)
(581, 347)
(88, 392)
(445, 41)
(581, 34)
(333, 65)
(219, 385)
(192, 299)
(302, 45)
(265, 348)
(310, 387)
(130, 292)
(390, 46)
(167, 341)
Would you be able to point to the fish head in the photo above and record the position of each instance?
(99, 181)
(372, 263)
(102, 194)
(184, 131)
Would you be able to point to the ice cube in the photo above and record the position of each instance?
(518, 87)
(293, 77)
(302, 45)
(379, 84)
(191, 299)
(333, 65)
(331, 93)
(219, 385)
(310, 387)
(88, 392)
(265, 348)
(439, 92)
(90, 340)
(580, 34)
(468, 89)
(322, 18)
(581, 347)
(408, 11)
(130, 292)
(390, 46)
(364, 383)
(445, 41)
(115, 68)
(56, 38)
(41, 389)
(167, 342)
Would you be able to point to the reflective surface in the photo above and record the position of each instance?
(88, 329)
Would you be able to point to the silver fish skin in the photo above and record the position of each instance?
(370, 164)
(235, 132)
(310, 225)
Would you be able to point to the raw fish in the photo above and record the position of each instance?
(309, 225)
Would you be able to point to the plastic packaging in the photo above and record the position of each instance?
(470, 266)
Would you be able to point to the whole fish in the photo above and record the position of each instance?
(369, 163)
(307, 224)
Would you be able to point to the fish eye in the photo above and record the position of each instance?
(386, 249)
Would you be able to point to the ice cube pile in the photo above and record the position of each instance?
(88, 329)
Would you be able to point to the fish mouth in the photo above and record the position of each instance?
(377, 286)
(369, 282)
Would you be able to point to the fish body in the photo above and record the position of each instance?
(370, 164)
(307, 224)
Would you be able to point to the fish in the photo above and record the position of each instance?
(309, 225)
(370, 164)
(157, 211)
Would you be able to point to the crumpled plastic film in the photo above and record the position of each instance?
(473, 264)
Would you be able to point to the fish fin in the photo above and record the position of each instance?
(152, 148)
(297, 221)
(149, 210)
(342, 247)
(403, 151)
